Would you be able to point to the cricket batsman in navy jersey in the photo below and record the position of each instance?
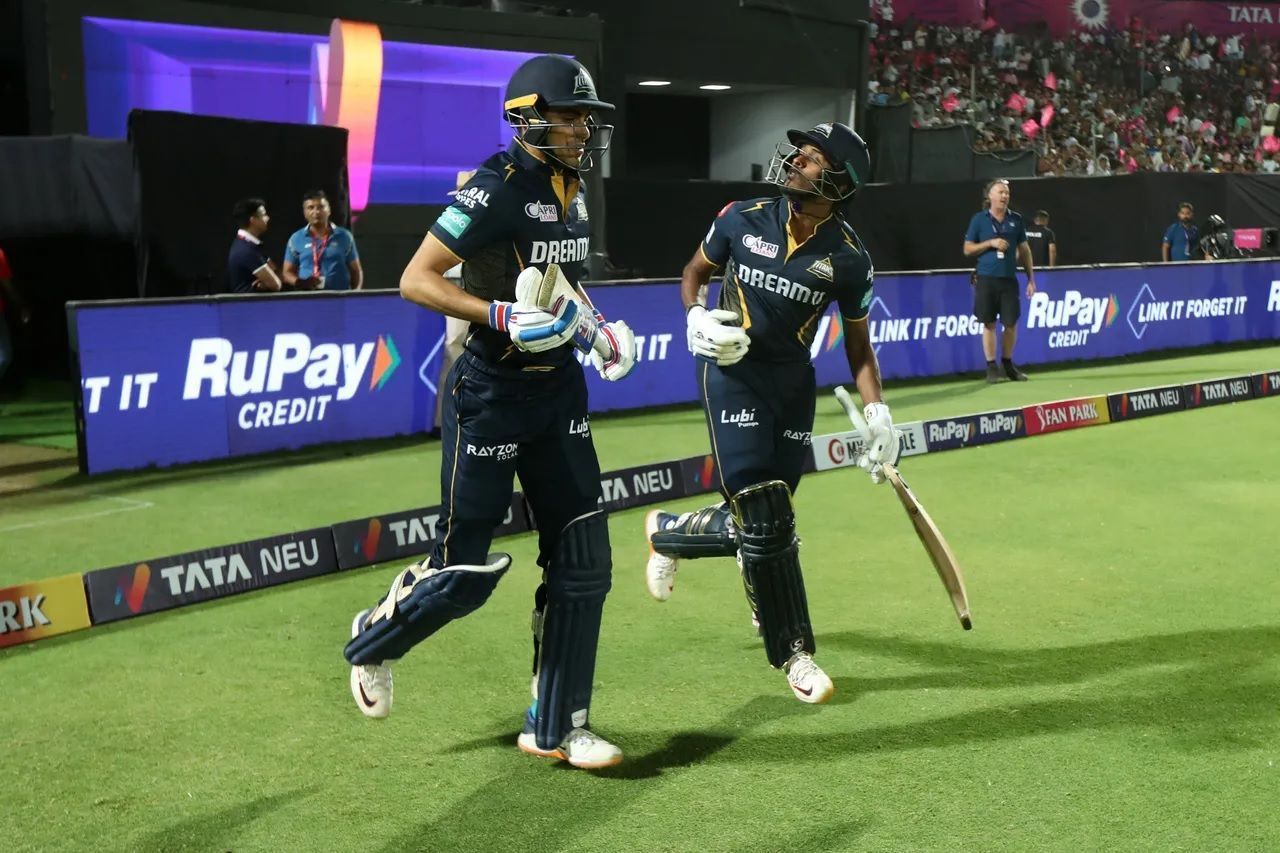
(516, 403)
(785, 260)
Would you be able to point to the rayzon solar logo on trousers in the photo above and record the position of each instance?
(327, 372)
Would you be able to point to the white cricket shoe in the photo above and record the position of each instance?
(660, 573)
(580, 748)
(807, 680)
(370, 682)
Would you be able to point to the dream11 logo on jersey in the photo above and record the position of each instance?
(310, 375)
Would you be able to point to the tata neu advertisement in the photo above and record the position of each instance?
(169, 381)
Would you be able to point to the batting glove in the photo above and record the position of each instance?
(710, 338)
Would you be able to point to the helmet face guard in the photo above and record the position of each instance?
(533, 130)
(833, 185)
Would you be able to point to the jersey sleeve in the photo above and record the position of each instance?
(478, 216)
(856, 294)
(972, 235)
(352, 253)
(1021, 234)
(1052, 238)
(715, 246)
(291, 255)
(1168, 234)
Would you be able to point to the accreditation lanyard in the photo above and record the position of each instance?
(1186, 239)
(317, 251)
(996, 227)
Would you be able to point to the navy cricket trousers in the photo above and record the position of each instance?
(497, 423)
(760, 416)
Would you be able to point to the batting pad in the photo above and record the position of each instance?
(420, 602)
(769, 555)
(706, 533)
(577, 581)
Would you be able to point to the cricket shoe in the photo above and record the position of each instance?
(580, 747)
(807, 680)
(370, 682)
(1011, 370)
(660, 572)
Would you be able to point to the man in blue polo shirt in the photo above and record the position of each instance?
(321, 256)
(1181, 238)
(998, 239)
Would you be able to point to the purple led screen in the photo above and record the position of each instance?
(439, 111)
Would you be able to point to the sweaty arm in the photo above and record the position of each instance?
(423, 283)
(1164, 251)
(1053, 254)
(357, 274)
(693, 281)
(863, 364)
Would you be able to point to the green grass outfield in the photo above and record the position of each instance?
(1120, 689)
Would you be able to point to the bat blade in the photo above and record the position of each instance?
(944, 561)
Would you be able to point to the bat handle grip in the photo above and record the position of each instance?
(851, 409)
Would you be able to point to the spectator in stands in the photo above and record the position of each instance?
(12, 310)
(1043, 243)
(1181, 238)
(321, 256)
(998, 239)
(249, 270)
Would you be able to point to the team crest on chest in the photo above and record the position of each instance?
(823, 269)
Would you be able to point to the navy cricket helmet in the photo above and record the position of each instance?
(848, 155)
(551, 81)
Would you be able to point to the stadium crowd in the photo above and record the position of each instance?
(1100, 103)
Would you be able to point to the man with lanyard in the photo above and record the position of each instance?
(997, 238)
(785, 260)
(516, 403)
(1181, 239)
(321, 256)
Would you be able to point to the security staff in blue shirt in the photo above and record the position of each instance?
(321, 256)
(516, 403)
(1181, 239)
(997, 237)
(785, 261)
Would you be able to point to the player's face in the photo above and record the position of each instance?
(806, 167)
(259, 221)
(998, 195)
(316, 210)
(568, 138)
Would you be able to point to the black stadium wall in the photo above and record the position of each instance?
(655, 226)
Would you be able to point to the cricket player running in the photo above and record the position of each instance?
(785, 260)
(516, 403)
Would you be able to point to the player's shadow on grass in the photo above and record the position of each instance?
(539, 805)
(217, 830)
(1202, 689)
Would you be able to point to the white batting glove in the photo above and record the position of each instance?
(623, 342)
(532, 329)
(710, 338)
(884, 443)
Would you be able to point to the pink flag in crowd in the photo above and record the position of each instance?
(1016, 102)
(1030, 128)
(1173, 114)
(1271, 144)
(1051, 81)
(1046, 115)
(950, 102)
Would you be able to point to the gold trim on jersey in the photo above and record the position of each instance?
(800, 333)
(508, 171)
(565, 191)
(792, 245)
(703, 250)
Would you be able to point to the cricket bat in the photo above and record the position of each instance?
(944, 561)
(550, 288)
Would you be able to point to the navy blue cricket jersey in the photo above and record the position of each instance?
(779, 288)
(516, 211)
